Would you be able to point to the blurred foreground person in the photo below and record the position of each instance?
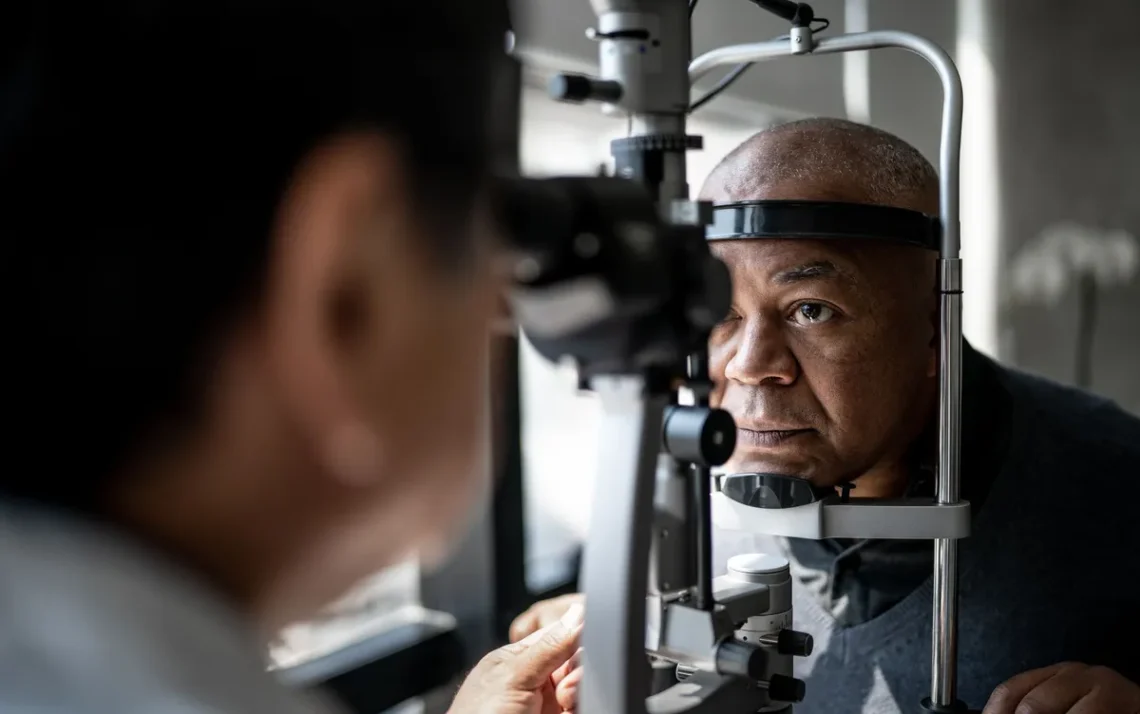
(828, 363)
(248, 292)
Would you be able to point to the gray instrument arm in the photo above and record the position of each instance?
(903, 519)
(624, 627)
(615, 570)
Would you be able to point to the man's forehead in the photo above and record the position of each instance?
(788, 261)
(729, 186)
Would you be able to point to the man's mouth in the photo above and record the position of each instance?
(768, 437)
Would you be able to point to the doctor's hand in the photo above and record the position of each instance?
(1067, 688)
(519, 678)
(543, 613)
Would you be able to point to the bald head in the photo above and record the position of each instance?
(831, 159)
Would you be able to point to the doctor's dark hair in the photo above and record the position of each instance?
(144, 148)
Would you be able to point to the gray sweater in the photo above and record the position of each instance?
(1047, 575)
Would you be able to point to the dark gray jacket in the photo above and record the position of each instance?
(1049, 574)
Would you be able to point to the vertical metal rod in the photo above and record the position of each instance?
(509, 502)
(943, 679)
(702, 524)
(701, 387)
(944, 633)
(944, 646)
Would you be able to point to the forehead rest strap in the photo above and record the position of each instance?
(824, 220)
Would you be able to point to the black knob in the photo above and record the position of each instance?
(579, 88)
(796, 644)
(782, 688)
(700, 435)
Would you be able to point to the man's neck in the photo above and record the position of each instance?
(887, 481)
(893, 476)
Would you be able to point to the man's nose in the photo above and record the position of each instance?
(762, 355)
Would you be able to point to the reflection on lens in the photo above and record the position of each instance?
(771, 490)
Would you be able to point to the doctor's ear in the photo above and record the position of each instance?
(340, 256)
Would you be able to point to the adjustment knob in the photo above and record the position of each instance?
(740, 659)
(580, 88)
(782, 688)
(700, 435)
(796, 644)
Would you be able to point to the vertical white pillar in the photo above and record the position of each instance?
(857, 65)
(981, 184)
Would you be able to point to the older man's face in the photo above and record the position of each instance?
(826, 359)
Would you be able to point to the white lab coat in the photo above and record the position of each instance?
(91, 623)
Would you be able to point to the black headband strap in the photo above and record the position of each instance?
(824, 220)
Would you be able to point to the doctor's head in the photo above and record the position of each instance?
(256, 333)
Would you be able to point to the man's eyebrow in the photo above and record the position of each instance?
(815, 270)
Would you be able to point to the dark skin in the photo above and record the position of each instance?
(827, 359)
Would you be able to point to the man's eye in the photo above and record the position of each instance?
(812, 313)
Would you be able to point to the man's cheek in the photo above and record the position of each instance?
(857, 403)
(717, 394)
(718, 360)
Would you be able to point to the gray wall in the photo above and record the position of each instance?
(905, 94)
(1069, 142)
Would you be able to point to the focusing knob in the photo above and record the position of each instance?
(700, 435)
(796, 644)
(657, 142)
(580, 88)
(740, 659)
(782, 688)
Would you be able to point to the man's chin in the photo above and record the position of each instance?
(806, 471)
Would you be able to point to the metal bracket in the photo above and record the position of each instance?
(901, 519)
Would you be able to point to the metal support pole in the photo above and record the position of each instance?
(944, 642)
(616, 569)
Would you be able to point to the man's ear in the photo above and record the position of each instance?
(319, 301)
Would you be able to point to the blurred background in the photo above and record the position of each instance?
(1050, 212)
